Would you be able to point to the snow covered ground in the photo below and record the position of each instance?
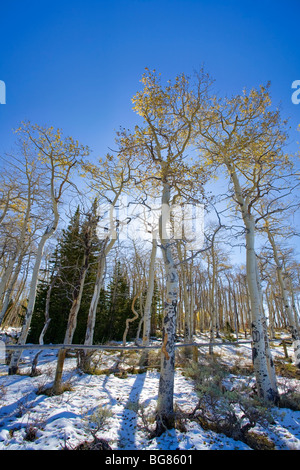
(65, 420)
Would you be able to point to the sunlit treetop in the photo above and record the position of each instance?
(51, 146)
(162, 144)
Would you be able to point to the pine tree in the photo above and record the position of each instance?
(66, 263)
(63, 264)
(118, 308)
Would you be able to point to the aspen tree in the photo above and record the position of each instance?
(88, 232)
(57, 157)
(19, 210)
(184, 295)
(282, 279)
(160, 147)
(283, 206)
(246, 139)
(149, 295)
(109, 178)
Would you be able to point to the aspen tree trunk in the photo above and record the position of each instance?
(72, 320)
(13, 367)
(212, 304)
(223, 303)
(11, 313)
(236, 317)
(187, 308)
(294, 306)
(130, 320)
(45, 327)
(285, 296)
(9, 278)
(165, 409)
(186, 300)
(8, 292)
(8, 272)
(149, 296)
(269, 358)
(11, 284)
(91, 320)
(261, 356)
(21, 240)
(243, 299)
(192, 307)
(269, 298)
(279, 317)
(4, 281)
(47, 308)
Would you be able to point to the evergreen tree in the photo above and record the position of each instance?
(66, 264)
(115, 301)
(118, 307)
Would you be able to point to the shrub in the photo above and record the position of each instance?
(30, 433)
(98, 419)
(233, 411)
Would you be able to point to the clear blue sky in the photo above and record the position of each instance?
(76, 64)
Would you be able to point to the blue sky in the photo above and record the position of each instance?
(76, 64)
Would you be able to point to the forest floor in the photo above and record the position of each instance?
(122, 405)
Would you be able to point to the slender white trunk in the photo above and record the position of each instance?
(13, 368)
(73, 314)
(192, 308)
(269, 359)
(295, 311)
(130, 320)
(149, 296)
(91, 320)
(5, 278)
(20, 244)
(71, 327)
(187, 311)
(89, 335)
(212, 307)
(261, 355)
(165, 409)
(286, 301)
(10, 287)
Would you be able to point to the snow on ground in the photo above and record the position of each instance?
(64, 420)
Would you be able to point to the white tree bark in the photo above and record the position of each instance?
(89, 336)
(165, 409)
(20, 243)
(286, 301)
(261, 356)
(149, 295)
(14, 275)
(73, 314)
(130, 320)
(13, 368)
(187, 298)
